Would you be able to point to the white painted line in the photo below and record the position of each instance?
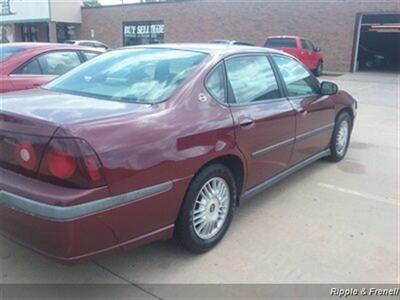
(360, 194)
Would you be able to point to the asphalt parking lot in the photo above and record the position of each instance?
(335, 223)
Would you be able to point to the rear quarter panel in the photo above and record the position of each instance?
(5, 84)
(169, 141)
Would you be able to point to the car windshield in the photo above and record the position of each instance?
(8, 50)
(147, 75)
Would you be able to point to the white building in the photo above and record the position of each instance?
(39, 20)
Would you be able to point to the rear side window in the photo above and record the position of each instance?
(89, 55)
(252, 79)
(215, 84)
(298, 80)
(281, 43)
(31, 68)
(58, 62)
(6, 51)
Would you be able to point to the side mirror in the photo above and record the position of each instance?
(317, 49)
(328, 88)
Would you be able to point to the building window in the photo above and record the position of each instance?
(29, 33)
(65, 32)
(139, 33)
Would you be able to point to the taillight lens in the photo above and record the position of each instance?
(21, 153)
(25, 155)
(71, 162)
(61, 163)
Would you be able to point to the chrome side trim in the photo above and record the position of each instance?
(69, 212)
(266, 184)
(314, 132)
(273, 147)
(299, 137)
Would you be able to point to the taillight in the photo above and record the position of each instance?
(21, 153)
(71, 162)
(25, 155)
(60, 162)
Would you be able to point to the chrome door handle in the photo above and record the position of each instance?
(246, 123)
(302, 111)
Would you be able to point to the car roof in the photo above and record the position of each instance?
(285, 37)
(86, 41)
(208, 48)
(46, 46)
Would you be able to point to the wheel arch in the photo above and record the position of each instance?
(347, 110)
(234, 163)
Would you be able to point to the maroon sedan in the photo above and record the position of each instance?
(28, 65)
(144, 142)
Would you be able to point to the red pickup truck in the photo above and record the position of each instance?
(300, 48)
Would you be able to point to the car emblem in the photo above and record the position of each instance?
(202, 97)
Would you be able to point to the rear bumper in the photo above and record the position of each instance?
(70, 242)
(70, 212)
(78, 232)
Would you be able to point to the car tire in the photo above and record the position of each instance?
(205, 215)
(341, 137)
(319, 69)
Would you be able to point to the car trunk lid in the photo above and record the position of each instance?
(31, 120)
(57, 108)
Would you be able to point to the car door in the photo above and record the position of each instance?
(44, 68)
(314, 57)
(264, 120)
(315, 115)
(307, 53)
(56, 63)
(28, 76)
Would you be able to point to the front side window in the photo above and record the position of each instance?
(100, 45)
(298, 80)
(31, 68)
(146, 75)
(310, 45)
(87, 44)
(215, 84)
(281, 43)
(58, 62)
(252, 79)
(307, 45)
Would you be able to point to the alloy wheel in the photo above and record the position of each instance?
(342, 137)
(211, 208)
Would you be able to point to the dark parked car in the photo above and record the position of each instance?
(143, 142)
(231, 42)
(28, 65)
(89, 43)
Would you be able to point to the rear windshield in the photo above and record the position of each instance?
(135, 75)
(281, 43)
(8, 50)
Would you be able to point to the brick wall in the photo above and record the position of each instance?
(329, 24)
